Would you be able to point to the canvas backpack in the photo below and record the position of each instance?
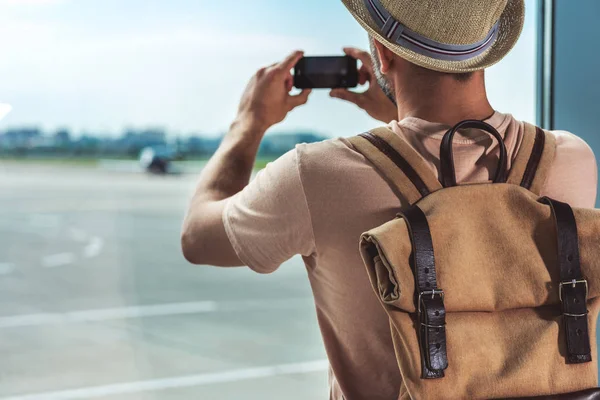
(492, 292)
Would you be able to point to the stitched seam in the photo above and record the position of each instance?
(312, 228)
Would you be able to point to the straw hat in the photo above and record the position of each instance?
(453, 36)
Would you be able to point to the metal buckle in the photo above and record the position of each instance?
(576, 315)
(433, 326)
(573, 283)
(433, 293)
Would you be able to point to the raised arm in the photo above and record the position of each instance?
(265, 102)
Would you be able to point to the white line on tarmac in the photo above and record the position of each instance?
(93, 248)
(58, 260)
(178, 382)
(157, 310)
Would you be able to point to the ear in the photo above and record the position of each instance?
(386, 57)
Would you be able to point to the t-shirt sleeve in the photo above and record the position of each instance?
(269, 221)
(573, 177)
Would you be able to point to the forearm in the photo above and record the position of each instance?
(229, 170)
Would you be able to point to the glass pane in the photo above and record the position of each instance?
(512, 82)
(96, 299)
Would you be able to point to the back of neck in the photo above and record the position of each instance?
(444, 100)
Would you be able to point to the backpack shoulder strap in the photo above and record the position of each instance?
(403, 167)
(534, 159)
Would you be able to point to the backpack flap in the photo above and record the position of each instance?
(512, 240)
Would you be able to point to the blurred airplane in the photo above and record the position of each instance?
(158, 159)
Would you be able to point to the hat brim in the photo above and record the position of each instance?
(509, 29)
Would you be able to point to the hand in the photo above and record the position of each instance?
(266, 100)
(373, 100)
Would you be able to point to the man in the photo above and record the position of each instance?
(316, 200)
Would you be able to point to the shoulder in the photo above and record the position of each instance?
(573, 153)
(310, 162)
(333, 168)
(310, 159)
(334, 146)
(567, 141)
(573, 176)
(328, 155)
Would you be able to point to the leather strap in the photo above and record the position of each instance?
(531, 166)
(429, 298)
(534, 159)
(447, 157)
(404, 169)
(573, 288)
(400, 162)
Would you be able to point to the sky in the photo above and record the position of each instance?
(102, 66)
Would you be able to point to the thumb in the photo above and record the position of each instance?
(300, 99)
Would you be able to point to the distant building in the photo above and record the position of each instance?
(32, 141)
(86, 145)
(20, 138)
(62, 138)
(133, 141)
(201, 146)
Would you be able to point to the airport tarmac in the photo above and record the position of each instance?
(96, 301)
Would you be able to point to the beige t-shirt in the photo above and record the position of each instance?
(319, 198)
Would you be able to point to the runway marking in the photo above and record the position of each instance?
(58, 260)
(178, 382)
(156, 310)
(93, 248)
(7, 268)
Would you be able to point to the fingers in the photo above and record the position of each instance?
(289, 83)
(300, 99)
(290, 61)
(364, 75)
(352, 97)
(284, 66)
(361, 55)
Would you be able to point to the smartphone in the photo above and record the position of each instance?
(326, 73)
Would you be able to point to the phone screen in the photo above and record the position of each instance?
(326, 72)
(326, 65)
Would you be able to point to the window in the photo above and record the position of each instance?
(95, 297)
(512, 82)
